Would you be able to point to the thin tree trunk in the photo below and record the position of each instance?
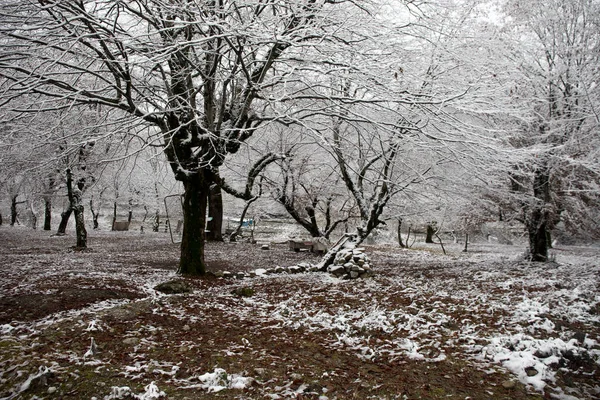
(466, 242)
(13, 210)
(114, 215)
(400, 243)
(47, 214)
(95, 215)
(156, 222)
(77, 207)
(195, 199)
(215, 211)
(238, 231)
(34, 217)
(537, 222)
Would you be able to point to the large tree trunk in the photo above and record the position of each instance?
(64, 220)
(47, 213)
(538, 219)
(195, 199)
(77, 206)
(215, 211)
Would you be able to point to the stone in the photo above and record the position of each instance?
(240, 275)
(337, 270)
(186, 328)
(348, 266)
(259, 372)
(244, 291)
(354, 274)
(265, 247)
(227, 274)
(509, 384)
(260, 271)
(294, 269)
(219, 274)
(530, 371)
(52, 390)
(131, 341)
(580, 337)
(173, 287)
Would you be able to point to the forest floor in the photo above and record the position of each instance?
(478, 325)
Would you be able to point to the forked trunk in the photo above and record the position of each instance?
(195, 199)
(76, 205)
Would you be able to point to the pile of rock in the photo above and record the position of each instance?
(350, 263)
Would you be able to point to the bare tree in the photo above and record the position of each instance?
(198, 72)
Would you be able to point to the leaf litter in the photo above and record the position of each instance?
(477, 325)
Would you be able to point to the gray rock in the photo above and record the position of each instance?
(294, 269)
(131, 341)
(173, 287)
(509, 384)
(337, 270)
(354, 274)
(530, 371)
(265, 247)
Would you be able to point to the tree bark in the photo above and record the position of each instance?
(156, 222)
(195, 199)
(77, 207)
(47, 214)
(13, 210)
(95, 214)
(430, 233)
(114, 216)
(215, 211)
(538, 219)
(64, 220)
(400, 243)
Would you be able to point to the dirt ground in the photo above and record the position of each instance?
(89, 325)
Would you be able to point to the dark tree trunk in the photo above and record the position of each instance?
(64, 220)
(538, 218)
(47, 214)
(114, 216)
(466, 242)
(13, 210)
(195, 199)
(0, 218)
(215, 211)
(430, 233)
(77, 206)
(400, 243)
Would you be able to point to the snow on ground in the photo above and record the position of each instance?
(487, 307)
